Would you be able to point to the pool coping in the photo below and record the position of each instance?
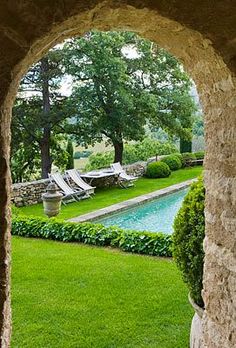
(130, 203)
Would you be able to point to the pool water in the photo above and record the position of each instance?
(154, 216)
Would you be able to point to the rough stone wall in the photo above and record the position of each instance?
(29, 193)
(201, 33)
(5, 184)
(220, 243)
(136, 169)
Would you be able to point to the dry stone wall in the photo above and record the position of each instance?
(29, 193)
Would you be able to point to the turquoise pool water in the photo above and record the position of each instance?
(155, 216)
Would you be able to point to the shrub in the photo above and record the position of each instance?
(70, 153)
(140, 151)
(157, 244)
(199, 155)
(189, 232)
(180, 157)
(100, 160)
(158, 170)
(173, 162)
(188, 157)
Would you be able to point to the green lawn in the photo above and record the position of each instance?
(71, 295)
(106, 197)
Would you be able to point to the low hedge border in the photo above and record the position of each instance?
(155, 244)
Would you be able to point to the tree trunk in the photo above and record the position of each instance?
(119, 147)
(46, 161)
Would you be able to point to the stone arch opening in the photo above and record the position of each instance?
(216, 87)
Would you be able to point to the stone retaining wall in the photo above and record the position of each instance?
(30, 193)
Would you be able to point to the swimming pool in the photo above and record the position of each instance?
(154, 216)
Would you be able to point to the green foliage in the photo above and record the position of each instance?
(25, 158)
(198, 126)
(157, 244)
(82, 154)
(139, 151)
(189, 232)
(115, 95)
(188, 157)
(145, 149)
(185, 145)
(180, 157)
(70, 151)
(158, 170)
(173, 162)
(100, 160)
(58, 152)
(199, 155)
(39, 114)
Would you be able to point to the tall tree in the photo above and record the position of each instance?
(40, 109)
(185, 146)
(123, 82)
(70, 151)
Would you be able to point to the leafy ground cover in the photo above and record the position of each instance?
(71, 295)
(108, 196)
(158, 244)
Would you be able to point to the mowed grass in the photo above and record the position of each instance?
(108, 196)
(71, 295)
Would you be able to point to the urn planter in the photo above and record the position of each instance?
(52, 200)
(196, 334)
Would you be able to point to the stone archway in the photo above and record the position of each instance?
(186, 33)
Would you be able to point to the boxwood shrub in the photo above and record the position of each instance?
(199, 155)
(158, 170)
(180, 157)
(157, 244)
(189, 232)
(173, 162)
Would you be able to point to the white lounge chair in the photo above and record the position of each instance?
(75, 176)
(66, 190)
(124, 180)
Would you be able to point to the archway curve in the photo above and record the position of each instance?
(216, 88)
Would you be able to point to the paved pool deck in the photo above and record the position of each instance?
(130, 203)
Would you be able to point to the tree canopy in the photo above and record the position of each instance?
(121, 83)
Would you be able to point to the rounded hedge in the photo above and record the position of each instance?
(158, 170)
(173, 162)
(179, 155)
(189, 232)
(199, 155)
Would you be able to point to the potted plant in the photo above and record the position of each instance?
(188, 236)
